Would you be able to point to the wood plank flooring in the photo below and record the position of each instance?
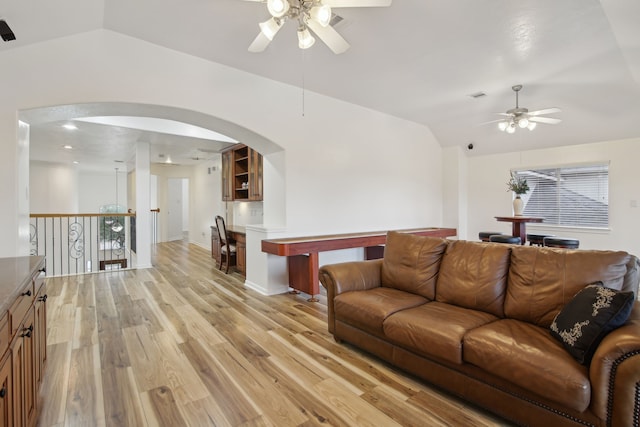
(182, 344)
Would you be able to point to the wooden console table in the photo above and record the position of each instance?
(302, 252)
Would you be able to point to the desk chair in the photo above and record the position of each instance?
(227, 246)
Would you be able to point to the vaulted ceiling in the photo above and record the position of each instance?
(420, 60)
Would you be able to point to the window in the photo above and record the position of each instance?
(574, 196)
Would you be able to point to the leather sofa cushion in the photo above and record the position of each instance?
(411, 263)
(368, 309)
(474, 275)
(542, 280)
(434, 329)
(527, 356)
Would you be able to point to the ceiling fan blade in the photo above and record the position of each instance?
(504, 114)
(492, 121)
(329, 36)
(545, 111)
(357, 3)
(259, 44)
(547, 120)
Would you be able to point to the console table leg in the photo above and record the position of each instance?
(303, 274)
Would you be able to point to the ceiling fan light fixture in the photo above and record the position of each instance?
(532, 125)
(503, 125)
(270, 28)
(305, 39)
(523, 122)
(511, 128)
(278, 8)
(321, 14)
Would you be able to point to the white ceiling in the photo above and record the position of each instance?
(417, 59)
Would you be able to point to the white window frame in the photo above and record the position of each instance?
(593, 209)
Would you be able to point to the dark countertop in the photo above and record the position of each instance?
(15, 273)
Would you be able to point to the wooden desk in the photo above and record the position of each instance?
(519, 225)
(238, 234)
(302, 252)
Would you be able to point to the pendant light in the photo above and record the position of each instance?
(117, 226)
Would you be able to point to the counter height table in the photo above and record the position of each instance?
(519, 225)
(302, 252)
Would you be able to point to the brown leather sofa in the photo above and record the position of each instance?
(474, 319)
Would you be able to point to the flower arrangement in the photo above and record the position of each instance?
(517, 184)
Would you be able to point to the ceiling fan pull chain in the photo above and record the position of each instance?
(303, 69)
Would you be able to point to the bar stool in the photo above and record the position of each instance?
(485, 235)
(561, 242)
(501, 238)
(538, 239)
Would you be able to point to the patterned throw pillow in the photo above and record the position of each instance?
(589, 317)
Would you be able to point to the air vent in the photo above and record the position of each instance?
(335, 19)
(477, 95)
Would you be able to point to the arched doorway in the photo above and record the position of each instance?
(40, 120)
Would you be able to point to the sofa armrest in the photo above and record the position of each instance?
(615, 373)
(351, 276)
(346, 277)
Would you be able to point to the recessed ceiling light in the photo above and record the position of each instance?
(70, 126)
(67, 147)
(75, 162)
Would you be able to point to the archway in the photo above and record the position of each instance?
(274, 209)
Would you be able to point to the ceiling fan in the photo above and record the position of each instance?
(520, 117)
(314, 15)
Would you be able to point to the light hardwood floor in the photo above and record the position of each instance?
(182, 344)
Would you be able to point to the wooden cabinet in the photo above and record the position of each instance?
(242, 174)
(23, 339)
(255, 175)
(241, 253)
(227, 176)
(215, 244)
(40, 325)
(6, 394)
(24, 372)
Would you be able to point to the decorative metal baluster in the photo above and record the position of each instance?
(33, 238)
(76, 244)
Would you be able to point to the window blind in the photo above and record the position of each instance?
(576, 196)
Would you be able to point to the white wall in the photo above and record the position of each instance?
(185, 205)
(205, 201)
(204, 198)
(54, 188)
(97, 189)
(247, 213)
(487, 195)
(174, 208)
(347, 168)
(57, 188)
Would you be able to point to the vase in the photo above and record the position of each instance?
(518, 205)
